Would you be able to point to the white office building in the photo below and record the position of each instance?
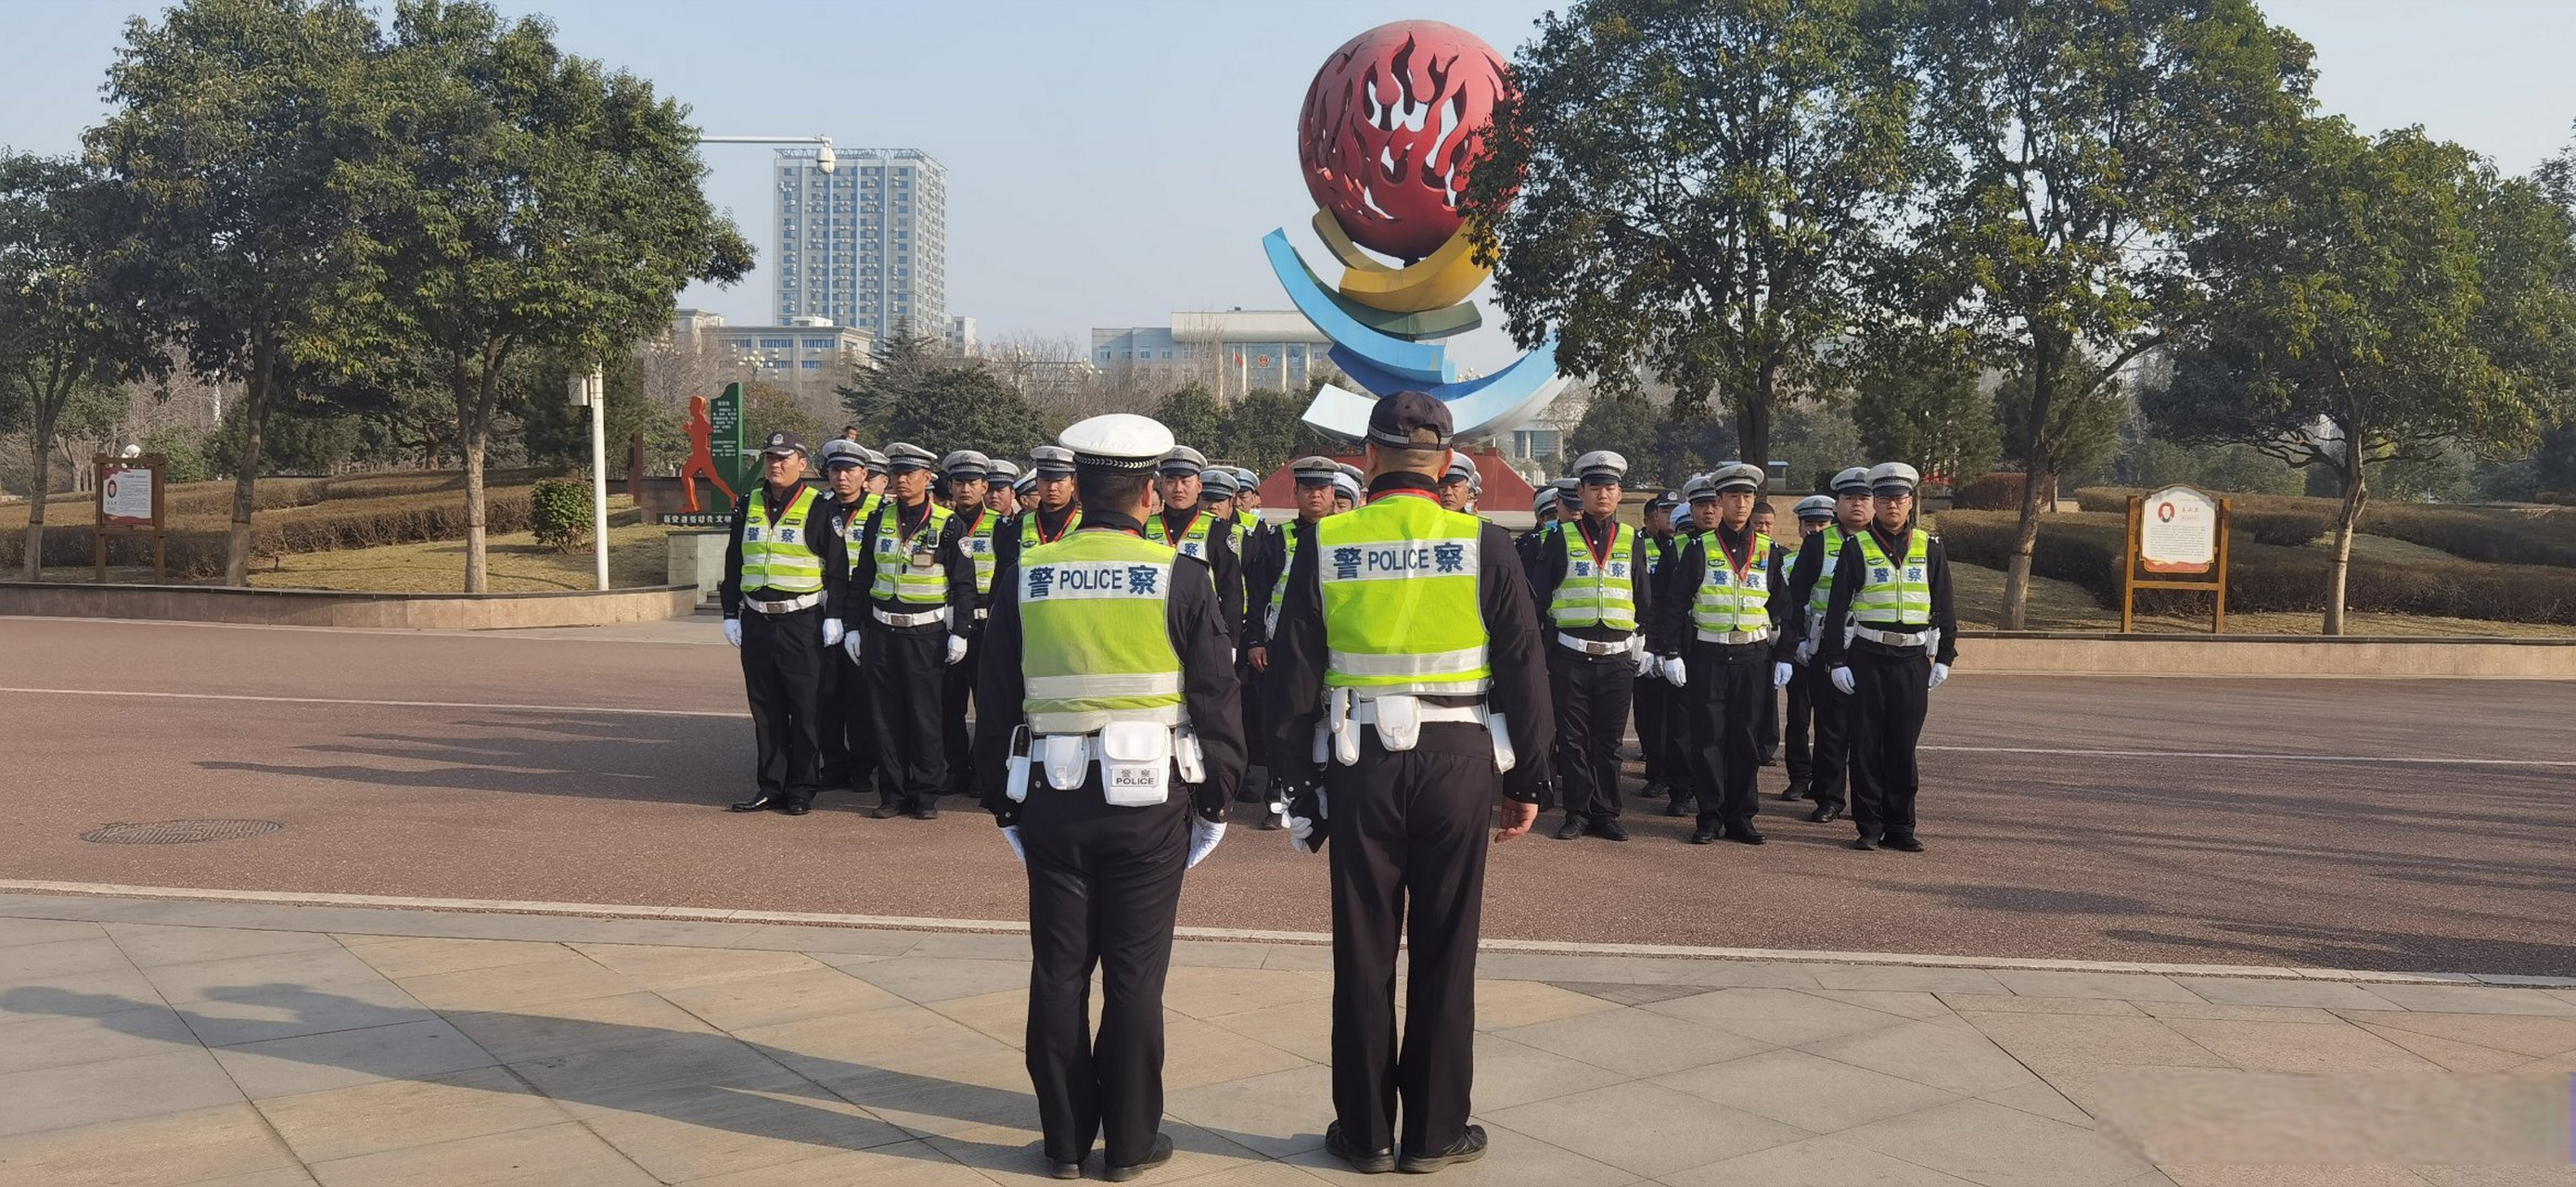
(865, 245)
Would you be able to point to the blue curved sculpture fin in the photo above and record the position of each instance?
(1418, 363)
(1505, 397)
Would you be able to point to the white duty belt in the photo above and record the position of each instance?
(1919, 638)
(1398, 719)
(1756, 635)
(789, 606)
(1137, 760)
(925, 618)
(1595, 647)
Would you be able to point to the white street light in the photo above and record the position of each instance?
(824, 159)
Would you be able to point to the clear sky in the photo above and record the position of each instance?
(1111, 163)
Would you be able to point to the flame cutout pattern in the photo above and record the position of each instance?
(1388, 128)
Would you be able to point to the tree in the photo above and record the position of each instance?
(1193, 415)
(1701, 188)
(966, 407)
(238, 130)
(533, 201)
(1663, 445)
(1923, 401)
(65, 337)
(2086, 146)
(2396, 300)
(903, 363)
(1267, 429)
(768, 408)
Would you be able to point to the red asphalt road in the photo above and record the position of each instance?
(2412, 865)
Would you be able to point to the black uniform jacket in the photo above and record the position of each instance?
(1672, 631)
(1222, 557)
(963, 526)
(894, 517)
(1849, 572)
(819, 536)
(1051, 524)
(1547, 570)
(1294, 694)
(1210, 692)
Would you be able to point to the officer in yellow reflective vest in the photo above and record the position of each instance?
(1407, 634)
(974, 531)
(1592, 581)
(1716, 628)
(908, 637)
(1186, 527)
(1825, 772)
(1000, 496)
(1654, 702)
(1894, 583)
(1048, 513)
(849, 736)
(1268, 586)
(780, 592)
(1100, 644)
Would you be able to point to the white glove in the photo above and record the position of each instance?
(956, 649)
(1806, 650)
(832, 632)
(850, 645)
(1940, 672)
(733, 631)
(1780, 674)
(1204, 834)
(1301, 829)
(1843, 680)
(1011, 833)
(1676, 673)
(1647, 664)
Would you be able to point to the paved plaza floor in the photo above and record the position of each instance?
(152, 1042)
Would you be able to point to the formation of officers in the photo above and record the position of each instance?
(1416, 682)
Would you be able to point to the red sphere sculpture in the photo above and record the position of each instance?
(1389, 126)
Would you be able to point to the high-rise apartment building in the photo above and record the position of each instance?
(865, 245)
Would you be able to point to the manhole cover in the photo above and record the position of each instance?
(180, 832)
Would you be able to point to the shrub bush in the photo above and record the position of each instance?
(559, 510)
(1990, 492)
(197, 544)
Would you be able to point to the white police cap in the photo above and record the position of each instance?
(839, 452)
(1854, 481)
(1002, 469)
(1816, 507)
(966, 463)
(1120, 441)
(1314, 470)
(1244, 478)
(1350, 471)
(1739, 476)
(1051, 461)
(1348, 485)
(901, 456)
(1218, 482)
(1890, 478)
(876, 462)
(1544, 501)
(1461, 469)
(1181, 460)
(1600, 465)
(1026, 485)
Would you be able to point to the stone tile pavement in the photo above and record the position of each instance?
(148, 1042)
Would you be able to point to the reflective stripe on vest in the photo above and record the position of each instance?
(1095, 646)
(908, 568)
(1279, 587)
(977, 540)
(1823, 594)
(1193, 540)
(777, 556)
(1727, 600)
(1031, 535)
(1888, 597)
(1597, 592)
(1399, 577)
(854, 530)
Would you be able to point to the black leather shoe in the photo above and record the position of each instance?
(1826, 813)
(1608, 830)
(1469, 1147)
(1864, 844)
(1272, 822)
(1654, 790)
(1797, 790)
(1065, 1170)
(1770, 760)
(758, 803)
(1745, 836)
(1573, 828)
(925, 813)
(1371, 1162)
(1675, 808)
(1904, 844)
(1161, 1153)
(1705, 836)
(798, 808)
(884, 812)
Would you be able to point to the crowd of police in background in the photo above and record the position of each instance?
(859, 607)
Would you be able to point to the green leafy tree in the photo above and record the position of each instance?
(2086, 146)
(238, 129)
(1922, 401)
(1193, 415)
(533, 200)
(2396, 300)
(1267, 429)
(1662, 445)
(900, 364)
(1816, 440)
(1702, 186)
(768, 408)
(966, 407)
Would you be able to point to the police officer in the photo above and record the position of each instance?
(1766, 733)
(781, 584)
(1651, 694)
(1894, 582)
(1810, 584)
(1000, 496)
(974, 530)
(1815, 513)
(1109, 657)
(1591, 581)
(909, 638)
(1408, 634)
(1346, 491)
(1217, 490)
(876, 467)
(1249, 526)
(849, 738)
(1717, 619)
(1187, 527)
(1457, 487)
(1543, 517)
(1313, 494)
(1048, 513)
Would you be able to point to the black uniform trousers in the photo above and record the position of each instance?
(849, 734)
(1408, 837)
(1799, 718)
(1253, 727)
(906, 666)
(1727, 683)
(782, 673)
(956, 688)
(1890, 697)
(1647, 696)
(1592, 693)
(1104, 891)
(1766, 732)
(1826, 762)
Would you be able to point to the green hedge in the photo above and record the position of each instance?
(2084, 548)
(2500, 535)
(197, 547)
(1999, 491)
(2287, 522)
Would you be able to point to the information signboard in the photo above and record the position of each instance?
(125, 494)
(129, 503)
(2178, 531)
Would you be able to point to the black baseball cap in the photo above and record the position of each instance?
(1410, 420)
(782, 443)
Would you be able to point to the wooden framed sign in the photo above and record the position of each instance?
(129, 503)
(2173, 533)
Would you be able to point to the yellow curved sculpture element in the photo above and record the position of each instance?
(1443, 278)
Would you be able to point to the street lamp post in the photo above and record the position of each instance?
(824, 160)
